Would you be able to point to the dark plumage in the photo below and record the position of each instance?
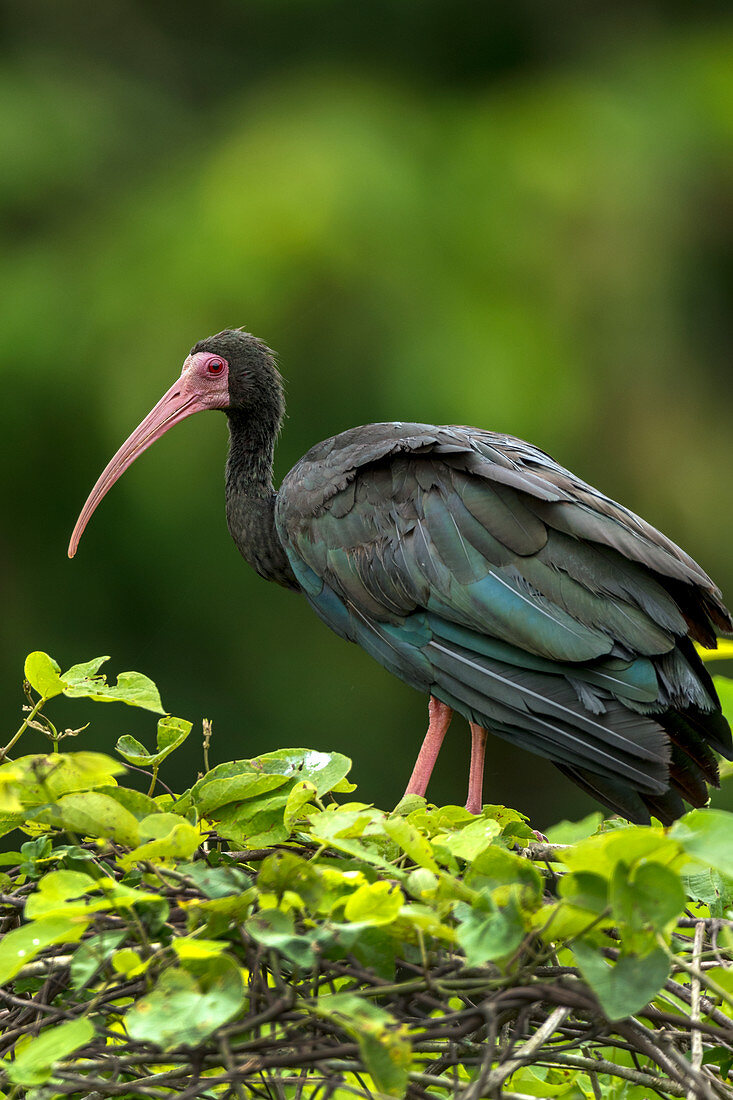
(481, 572)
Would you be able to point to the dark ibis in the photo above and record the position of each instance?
(478, 570)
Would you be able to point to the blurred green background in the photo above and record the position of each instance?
(508, 215)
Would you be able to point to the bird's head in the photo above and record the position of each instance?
(232, 371)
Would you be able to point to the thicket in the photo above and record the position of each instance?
(265, 934)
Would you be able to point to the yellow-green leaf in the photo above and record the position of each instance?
(376, 903)
(411, 841)
(192, 948)
(128, 963)
(23, 944)
(83, 682)
(35, 1062)
(90, 813)
(44, 777)
(172, 732)
(172, 840)
(55, 889)
(187, 1005)
(471, 839)
(301, 794)
(384, 1046)
(42, 673)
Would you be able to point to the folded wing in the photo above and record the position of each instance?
(476, 568)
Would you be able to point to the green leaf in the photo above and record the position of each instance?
(585, 890)
(496, 867)
(273, 928)
(82, 682)
(254, 824)
(35, 855)
(373, 947)
(216, 882)
(487, 934)
(127, 963)
(719, 1056)
(172, 732)
(375, 903)
(131, 750)
(569, 832)
(284, 871)
(138, 804)
(187, 1004)
(55, 889)
(90, 813)
(124, 896)
(411, 841)
(23, 944)
(85, 671)
(42, 673)
(344, 786)
(218, 789)
(384, 1047)
(11, 806)
(301, 795)
(189, 948)
(601, 853)
(165, 837)
(711, 888)
(471, 839)
(422, 883)
(35, 1062)
(626, 986)
(652, 896)
(43, 778)
(324, 769)
(707, 835)
(92, 954)
(409, 804)
(342, 829)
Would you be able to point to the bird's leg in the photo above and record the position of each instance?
(440, 715)
(474, 802)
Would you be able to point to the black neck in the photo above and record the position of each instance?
(250, 496)
(251, 454)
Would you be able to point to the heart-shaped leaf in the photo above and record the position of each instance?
(187, 1004)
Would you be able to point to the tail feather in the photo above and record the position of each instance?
(635, 806)
(543, 713)
(617, 796)
(634, 763)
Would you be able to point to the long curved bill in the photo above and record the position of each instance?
(179, 402)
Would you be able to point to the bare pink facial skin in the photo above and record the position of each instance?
(204, 384)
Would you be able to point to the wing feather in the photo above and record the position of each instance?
(472, 565)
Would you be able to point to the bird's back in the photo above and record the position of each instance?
(475, 567)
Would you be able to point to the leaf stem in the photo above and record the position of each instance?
(24, 726)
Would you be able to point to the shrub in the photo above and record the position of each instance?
(266, 934)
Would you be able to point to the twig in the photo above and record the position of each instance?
(525, 1054)
(696, 1044)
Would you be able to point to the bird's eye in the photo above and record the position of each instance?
(215, 366)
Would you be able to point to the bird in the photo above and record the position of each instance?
(475, 568)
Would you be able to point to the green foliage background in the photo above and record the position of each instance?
(444, 211)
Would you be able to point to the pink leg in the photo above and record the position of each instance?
(440, 715)
(475, 801)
